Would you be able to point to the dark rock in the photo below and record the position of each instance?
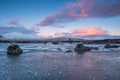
(111, 46)
(59, 49)
(68, 51)
(14, 49)
(94, 48)
(55, 43)
(80, 48)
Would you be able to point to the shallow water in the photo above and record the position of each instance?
(60, 66)
(31, 47)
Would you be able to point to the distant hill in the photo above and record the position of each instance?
(64, 39)
(60, 39)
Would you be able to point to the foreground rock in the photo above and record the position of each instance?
(14, 49)
(94, 48)
(68, 51)
(80, 48)
(111, 46)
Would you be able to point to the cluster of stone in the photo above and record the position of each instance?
(111, 46)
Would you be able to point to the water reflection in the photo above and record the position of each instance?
(13, 56)
(88, 61)
(13, 59)
(58, 66)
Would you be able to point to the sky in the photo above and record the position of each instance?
(90, 19)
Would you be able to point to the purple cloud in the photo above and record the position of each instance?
(14, 22)
(110, 9)
(83, 9)
(61, 27)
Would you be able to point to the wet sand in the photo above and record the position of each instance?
(60, 66)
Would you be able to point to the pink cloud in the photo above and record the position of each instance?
(72, 11)
(45, 35)
(49, 20)
(13, 22)
(61, 26)
(88, 32)
(84, 32)
(83, 9)
(79, 9)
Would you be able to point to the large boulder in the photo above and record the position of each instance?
(14, 49)
(68, 51)
(94, 48)
(80, 48)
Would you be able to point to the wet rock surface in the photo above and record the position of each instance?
(14, 49)
(80, 48)
(68, 51)
(111, 46)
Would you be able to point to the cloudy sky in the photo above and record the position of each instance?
(60, 18)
